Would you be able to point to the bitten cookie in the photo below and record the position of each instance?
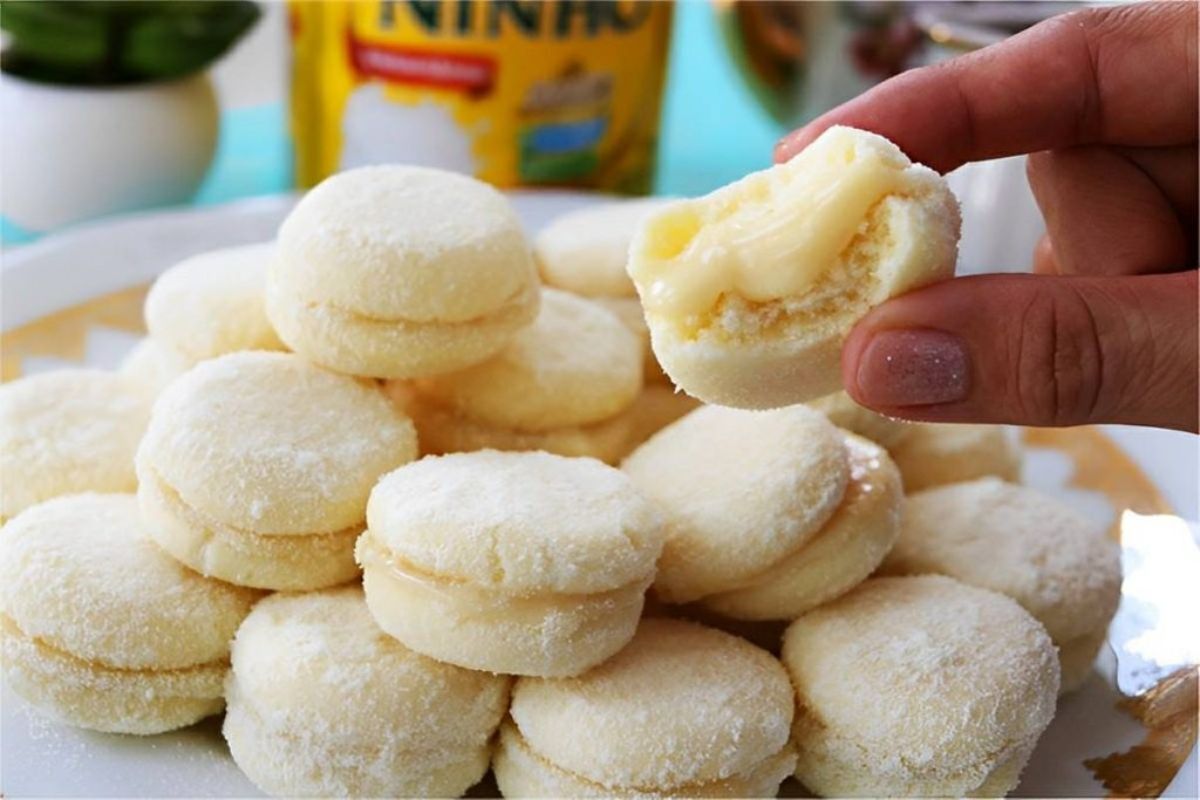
(768, 514)
(519, 563)
(1060, 567)
(68, 431)
(682, 711)
(324, 704)
(918, 687)
(212, 304)
(401, 271)
(560, 385)
(936, 454)
(256, 468)
(750, 291)
(104, 630)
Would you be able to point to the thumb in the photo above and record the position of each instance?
(1032, 350)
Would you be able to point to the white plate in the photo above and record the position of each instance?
(42, 758)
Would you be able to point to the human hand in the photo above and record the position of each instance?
(1105, 101)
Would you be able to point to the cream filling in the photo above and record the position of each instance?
(770, 236)
(486, 603)
(54, 659)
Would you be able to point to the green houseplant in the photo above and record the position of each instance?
(106, 104)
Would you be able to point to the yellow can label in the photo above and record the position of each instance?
(515, 92)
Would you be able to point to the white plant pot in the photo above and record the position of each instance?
(73, 153)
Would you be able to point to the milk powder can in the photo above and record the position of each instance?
(514, 92)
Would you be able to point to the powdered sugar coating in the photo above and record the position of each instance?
(272, 444)
(848, 548)
(515, 633)
(787, 350)
(522, 773)
(322, 702)
(740, 491)
(71, 430)
(90, 695)
(1062, 568)
(303, 562)
(81, 573)
(917, 686)
(681, 704)
(405, 243)
(576, 364)
(212, 303)
(519, 522)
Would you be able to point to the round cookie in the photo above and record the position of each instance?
(750, 291)
(918, 687)
(519, 563)
(1060, 567)
(153, 365)
(849, 415)
(324, 704)
(847, 549)
(740, 492)
(585, 251)
(256, 468)
(212, 303)
(400, 271)
(104, 630)
(575, 365)
(68, 431)
(682, 711)
(935, 454)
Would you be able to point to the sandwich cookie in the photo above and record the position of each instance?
(745, 492)
(750, 291)
(256, 468)
(101, 628)
(401, 271)
(517, 563)
(918, 687)
(324, 704)
(560, 385)
(682, 711)
(1060, 567)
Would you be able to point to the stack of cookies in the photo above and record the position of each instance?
(407, 515)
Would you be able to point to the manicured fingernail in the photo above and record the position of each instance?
(913, 368)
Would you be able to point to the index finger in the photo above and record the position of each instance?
(1123, 75)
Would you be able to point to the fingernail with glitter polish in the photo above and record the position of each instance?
(913, 368)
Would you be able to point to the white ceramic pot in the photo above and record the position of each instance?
(72, 153)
